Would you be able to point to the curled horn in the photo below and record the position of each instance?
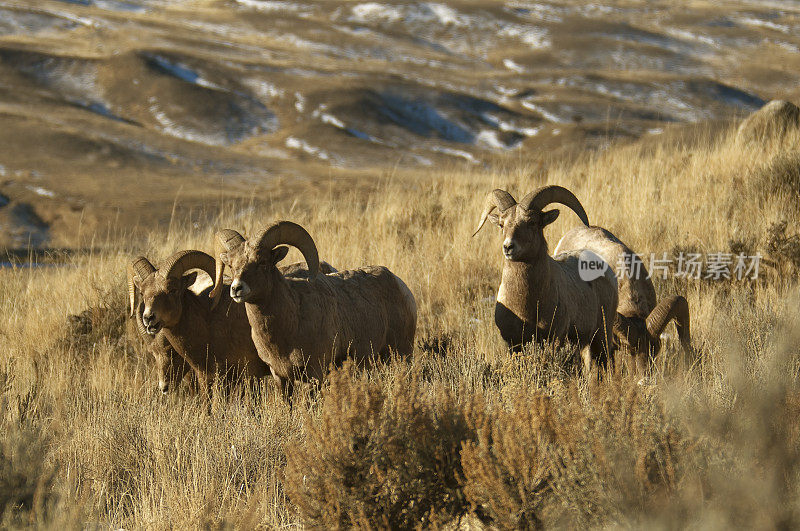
(224, 241)
(674, 307)
(137, 271)
(139, 324)
(131, 291)
(537, 200)
(497, 198)
(288, 233)
(179, 263)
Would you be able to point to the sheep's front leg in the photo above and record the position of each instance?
(589, 364)
(203, 384)
(597, 350)
(640, 364)
(286, 385)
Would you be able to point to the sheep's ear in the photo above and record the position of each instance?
(279, 253)
(494, 218)
(549, 217)
(188, 280)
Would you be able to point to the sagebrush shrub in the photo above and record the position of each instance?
(783, 248)
(507, 472)
(617, 452)
(564, 459)
(379, 457)
(782, 173)
(26, 475)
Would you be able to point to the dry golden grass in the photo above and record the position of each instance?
(462, 432)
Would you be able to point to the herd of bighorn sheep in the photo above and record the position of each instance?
(295, 322)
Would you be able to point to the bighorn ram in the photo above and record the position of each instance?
(300, 327)
(540, 297)
(171, 366)
(210, 340)
(639, 321)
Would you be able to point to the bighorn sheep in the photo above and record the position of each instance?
(541, 297)
(639, 321)
(300, 327)
(210, 340)
(212, 346)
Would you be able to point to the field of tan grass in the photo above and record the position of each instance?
(463, 433)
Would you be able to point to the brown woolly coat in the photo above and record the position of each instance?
(547, 300)
(303, 327)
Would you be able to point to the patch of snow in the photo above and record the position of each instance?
(300, 102)
(264, 89)
(506, 91)
(532, 36)
(113, 5)
(44, 192)
(511, 128)
(446, 15)
(765, 24)
(270, 5)
(511, 65)
(488, 138)
(299, 143)
(689, 36)
(595, 9)
(422, 160)
(173, 129)
(183, 72)
(332, 120)
(541, 110)
(375, 11)
(456, 153)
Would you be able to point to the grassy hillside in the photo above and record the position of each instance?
(463, 432)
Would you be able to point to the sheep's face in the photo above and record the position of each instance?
(162, 298)
(523, 234)
(252, 271)
(631, 336)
